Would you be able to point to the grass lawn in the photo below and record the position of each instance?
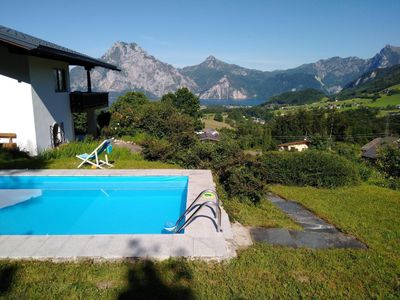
(259, 272)
(264, 214)
(209, 122)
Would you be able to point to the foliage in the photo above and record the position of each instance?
(355, 126)
(157, 149)
(297, 97)
(218, 117)
(347, 150)
(240, 181)
(133, 98)
(80, 123)
(388, 160)
(185, 101)
(309, 168)
(156, 119)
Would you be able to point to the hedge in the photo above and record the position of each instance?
(309, 168)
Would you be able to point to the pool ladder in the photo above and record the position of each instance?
(196, 208)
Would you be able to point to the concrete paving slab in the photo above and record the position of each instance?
(182, 245)
(29, 246)
(324, 240)
(274, 236)
(9, 244)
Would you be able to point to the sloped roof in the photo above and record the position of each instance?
(208, 134)
(303, 142)
(26, 44)
(370, 149)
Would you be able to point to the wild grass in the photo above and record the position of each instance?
(209, 122)
(263, 214)
(63, 157)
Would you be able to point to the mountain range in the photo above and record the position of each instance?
(215, 79)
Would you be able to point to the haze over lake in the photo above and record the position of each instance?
(232, 102)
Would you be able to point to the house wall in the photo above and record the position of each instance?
(16, 109)
(301, 147)
(49, 106)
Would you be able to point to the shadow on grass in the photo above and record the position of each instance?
(148, 280)
(15, 159)
(7, 275)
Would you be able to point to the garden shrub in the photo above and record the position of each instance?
(157, 149)
(309, 168)
(240, 182)
(388, 161)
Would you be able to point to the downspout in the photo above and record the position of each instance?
(89, 81)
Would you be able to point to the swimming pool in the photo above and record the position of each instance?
(79, 205)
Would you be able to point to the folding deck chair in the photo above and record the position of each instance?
(93, 158)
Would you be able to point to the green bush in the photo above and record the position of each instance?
(388, 161)
(218, 117)
(155, 149)
(240, 182)
(308, 168)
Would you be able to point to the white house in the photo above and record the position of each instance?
(35, 100)
(294, 146)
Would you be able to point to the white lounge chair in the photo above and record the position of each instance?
(93, 158)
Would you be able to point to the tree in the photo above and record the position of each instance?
(185, 101)
(133, 98)
(267, 139)
(388, 160)
(218, 117)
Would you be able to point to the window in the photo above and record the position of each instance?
(61, 85)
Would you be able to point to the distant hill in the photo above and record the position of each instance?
(297, 98)
(371, 83)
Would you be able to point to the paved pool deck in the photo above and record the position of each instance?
(200, 239)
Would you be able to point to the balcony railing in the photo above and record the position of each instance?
(83, 101)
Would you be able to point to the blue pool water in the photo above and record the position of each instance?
(40, 205)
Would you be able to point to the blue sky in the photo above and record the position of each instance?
(260, 34)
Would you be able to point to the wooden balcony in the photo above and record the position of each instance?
(84, 101)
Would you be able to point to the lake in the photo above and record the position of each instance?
(231, 102)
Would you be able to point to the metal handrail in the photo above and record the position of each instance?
(194, 202)
(192, 206)
(187, 222)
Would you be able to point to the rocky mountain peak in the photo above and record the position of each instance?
(210, 58)
(212, 62)
(139, 72)
(388, 56)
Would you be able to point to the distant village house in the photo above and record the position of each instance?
(371, 149)
(208, 134)
(294, 146)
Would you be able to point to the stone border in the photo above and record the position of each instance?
(200, 239)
